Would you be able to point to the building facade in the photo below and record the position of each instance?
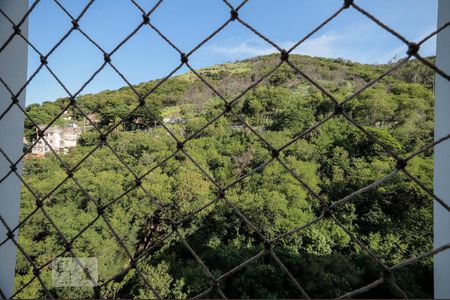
(59, 138)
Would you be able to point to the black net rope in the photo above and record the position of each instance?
(328, 209)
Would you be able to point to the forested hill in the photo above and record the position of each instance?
(334, 160)
(187, 94)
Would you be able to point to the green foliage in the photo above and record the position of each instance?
(336, 159)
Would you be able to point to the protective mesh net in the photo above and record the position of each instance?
(329, 211)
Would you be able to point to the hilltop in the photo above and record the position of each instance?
(186, 94)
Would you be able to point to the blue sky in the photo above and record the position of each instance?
(186, 22)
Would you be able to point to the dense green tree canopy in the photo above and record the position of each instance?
(394, 219)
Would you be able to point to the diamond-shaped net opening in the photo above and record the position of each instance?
(282, 176)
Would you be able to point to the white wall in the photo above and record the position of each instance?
(13, 69)
(442, 157)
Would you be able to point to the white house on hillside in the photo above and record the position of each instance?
(60, 138)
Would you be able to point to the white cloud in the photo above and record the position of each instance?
(329, 44)
(243, 49)
(363, 44)
(324, 45)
